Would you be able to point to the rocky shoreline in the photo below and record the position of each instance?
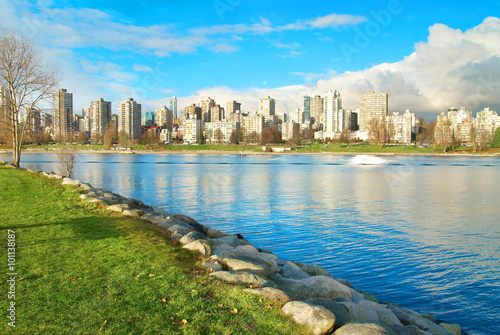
(307, 293)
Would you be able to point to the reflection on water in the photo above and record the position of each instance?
(422, 232)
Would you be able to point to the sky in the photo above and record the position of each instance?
(427, 55)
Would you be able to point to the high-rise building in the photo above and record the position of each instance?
(114, 120)
(216, 113)
(193, 110)
(163, 117)
(62, 111)
(129, 118)
(457, 116)
(191, 130)
(296, 116)
(317, 110)
(371, 106)
(173, 106)
(443, 131)
(267, 107)
(232, 107)
(306, 105)
(149, 119)
(487, 120)
(100, 116)
(205, 105)
(333, 113)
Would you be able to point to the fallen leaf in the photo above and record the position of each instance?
(104, 323)
(183, 322)
(234, 311)
(250, 326)
(164, 300)
(73, 278)
(151, 275)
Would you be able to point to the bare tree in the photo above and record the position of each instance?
(218, 135)
(69, 156)
(25, 81)
(347, 137)
(377, 131)
(110, 135)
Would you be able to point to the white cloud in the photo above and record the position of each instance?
(308, 77)
(336, 20)
(224, 47)
(451, 68)
(142, 68)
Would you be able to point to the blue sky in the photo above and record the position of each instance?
(242, 50)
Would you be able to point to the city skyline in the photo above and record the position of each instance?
(426, 60)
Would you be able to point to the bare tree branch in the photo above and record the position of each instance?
(25, 81)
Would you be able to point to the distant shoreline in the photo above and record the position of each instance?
(245, 153)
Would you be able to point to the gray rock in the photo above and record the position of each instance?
(291, 270)
(314, 287)
(190, 221)
(201, 246)
(342, 316)
(181, 229)
(409, 330)
(271, 293)
(84, 196)
(313, 270)
(318, 319)
(249, 249)
(246, 265)
(213, 233)
(372, 312)
(451, 328)
(231, 240)
(92, 194)
(98, 201)
(115, 208)
(192, 236)
(135, 204)
(176, 236)
(269, 257)
(242, 278)
(363, 329)
(130, 213)
(409, 317)
(212, 265)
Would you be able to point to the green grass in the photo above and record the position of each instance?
(81, 270)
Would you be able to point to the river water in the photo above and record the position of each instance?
(419, 231)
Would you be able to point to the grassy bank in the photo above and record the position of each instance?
(81, 270)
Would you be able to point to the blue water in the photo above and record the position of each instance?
(422, 232)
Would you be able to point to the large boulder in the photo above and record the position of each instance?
(451, 328)
(243, 278)
(242, 263)
(319, 320)
(314, 287)
(116, 208)
(130, 213)
(363, 329)
(342, 315)
(212, 266)
(291, 270)
(271, 293)
(190, 221)
(313, 270)
(201, 246)
(232, 240)
(181, 229)
(214, 233)
(409, 317)
(192, 236)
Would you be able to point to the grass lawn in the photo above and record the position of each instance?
(81, 270)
